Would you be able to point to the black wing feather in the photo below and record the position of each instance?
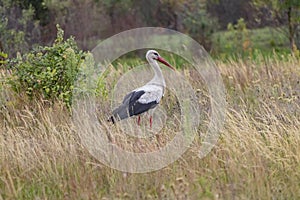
(139, 108)
(131, 106)
(135, 107)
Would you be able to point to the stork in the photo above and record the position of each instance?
(144, 98)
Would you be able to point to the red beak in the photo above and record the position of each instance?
(160, 59)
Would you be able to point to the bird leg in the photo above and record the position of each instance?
(151, 120)
(139, 120)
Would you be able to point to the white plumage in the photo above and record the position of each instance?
(152, 93)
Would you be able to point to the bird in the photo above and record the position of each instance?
(144, 98)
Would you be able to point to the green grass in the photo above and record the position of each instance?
(226, 45)
(257, 155)
(265, 41)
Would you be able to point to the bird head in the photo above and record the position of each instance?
(154, 55)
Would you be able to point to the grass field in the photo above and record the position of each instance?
(250, 43)
(257, 155)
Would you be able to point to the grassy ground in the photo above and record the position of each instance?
(257, 156)
(250, 42)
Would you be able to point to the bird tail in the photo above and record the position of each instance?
(111, 119)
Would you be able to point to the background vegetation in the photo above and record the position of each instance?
(27, 23)
(255, 45)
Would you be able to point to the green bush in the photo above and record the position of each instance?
(241, 41)
(48, 71)
(3, 57)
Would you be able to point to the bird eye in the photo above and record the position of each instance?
(156, 54)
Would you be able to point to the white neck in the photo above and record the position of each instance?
(158, 78)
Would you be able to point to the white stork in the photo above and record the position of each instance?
(146, 97)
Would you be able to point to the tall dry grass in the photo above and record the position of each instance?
(257, 156)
